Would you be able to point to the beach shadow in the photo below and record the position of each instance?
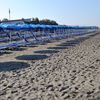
(46, 42)
(46, 51)
(6, 52)
(76, 41)
(66, 44)
(12, 66)
(32, 57)
(43, 43)
(94, 34)
(73, 42)
(19, 49)
(57, 47)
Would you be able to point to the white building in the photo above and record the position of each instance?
(18, 21)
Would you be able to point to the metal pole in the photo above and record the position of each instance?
(9, 14)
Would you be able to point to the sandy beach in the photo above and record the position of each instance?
(66, 69)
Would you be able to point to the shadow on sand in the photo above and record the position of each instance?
(19, 49)
(46, 51)
(32, 57)
(6, 52)
(68, 44)
(57, 47)
(12, 66)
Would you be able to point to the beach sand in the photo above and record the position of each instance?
(67, 69)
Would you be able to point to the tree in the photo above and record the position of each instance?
(43, 21)
(33, 21)
(36, 20)
(48, 22)
(5, 19)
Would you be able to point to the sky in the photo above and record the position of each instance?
(67, 12)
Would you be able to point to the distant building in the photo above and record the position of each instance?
(18, 21)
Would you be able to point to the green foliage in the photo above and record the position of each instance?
(37, 21)
(48, 22)
(44, 21)
(5, 19)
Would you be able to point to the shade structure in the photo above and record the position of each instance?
(33, 26)
(14, 35)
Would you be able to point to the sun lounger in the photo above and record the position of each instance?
(13, 35)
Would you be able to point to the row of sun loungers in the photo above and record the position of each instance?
(16, 35)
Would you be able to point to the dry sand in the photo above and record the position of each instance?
(64, 70)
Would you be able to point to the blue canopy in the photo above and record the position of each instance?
(33, 26)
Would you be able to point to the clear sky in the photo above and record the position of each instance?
(69, 12)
